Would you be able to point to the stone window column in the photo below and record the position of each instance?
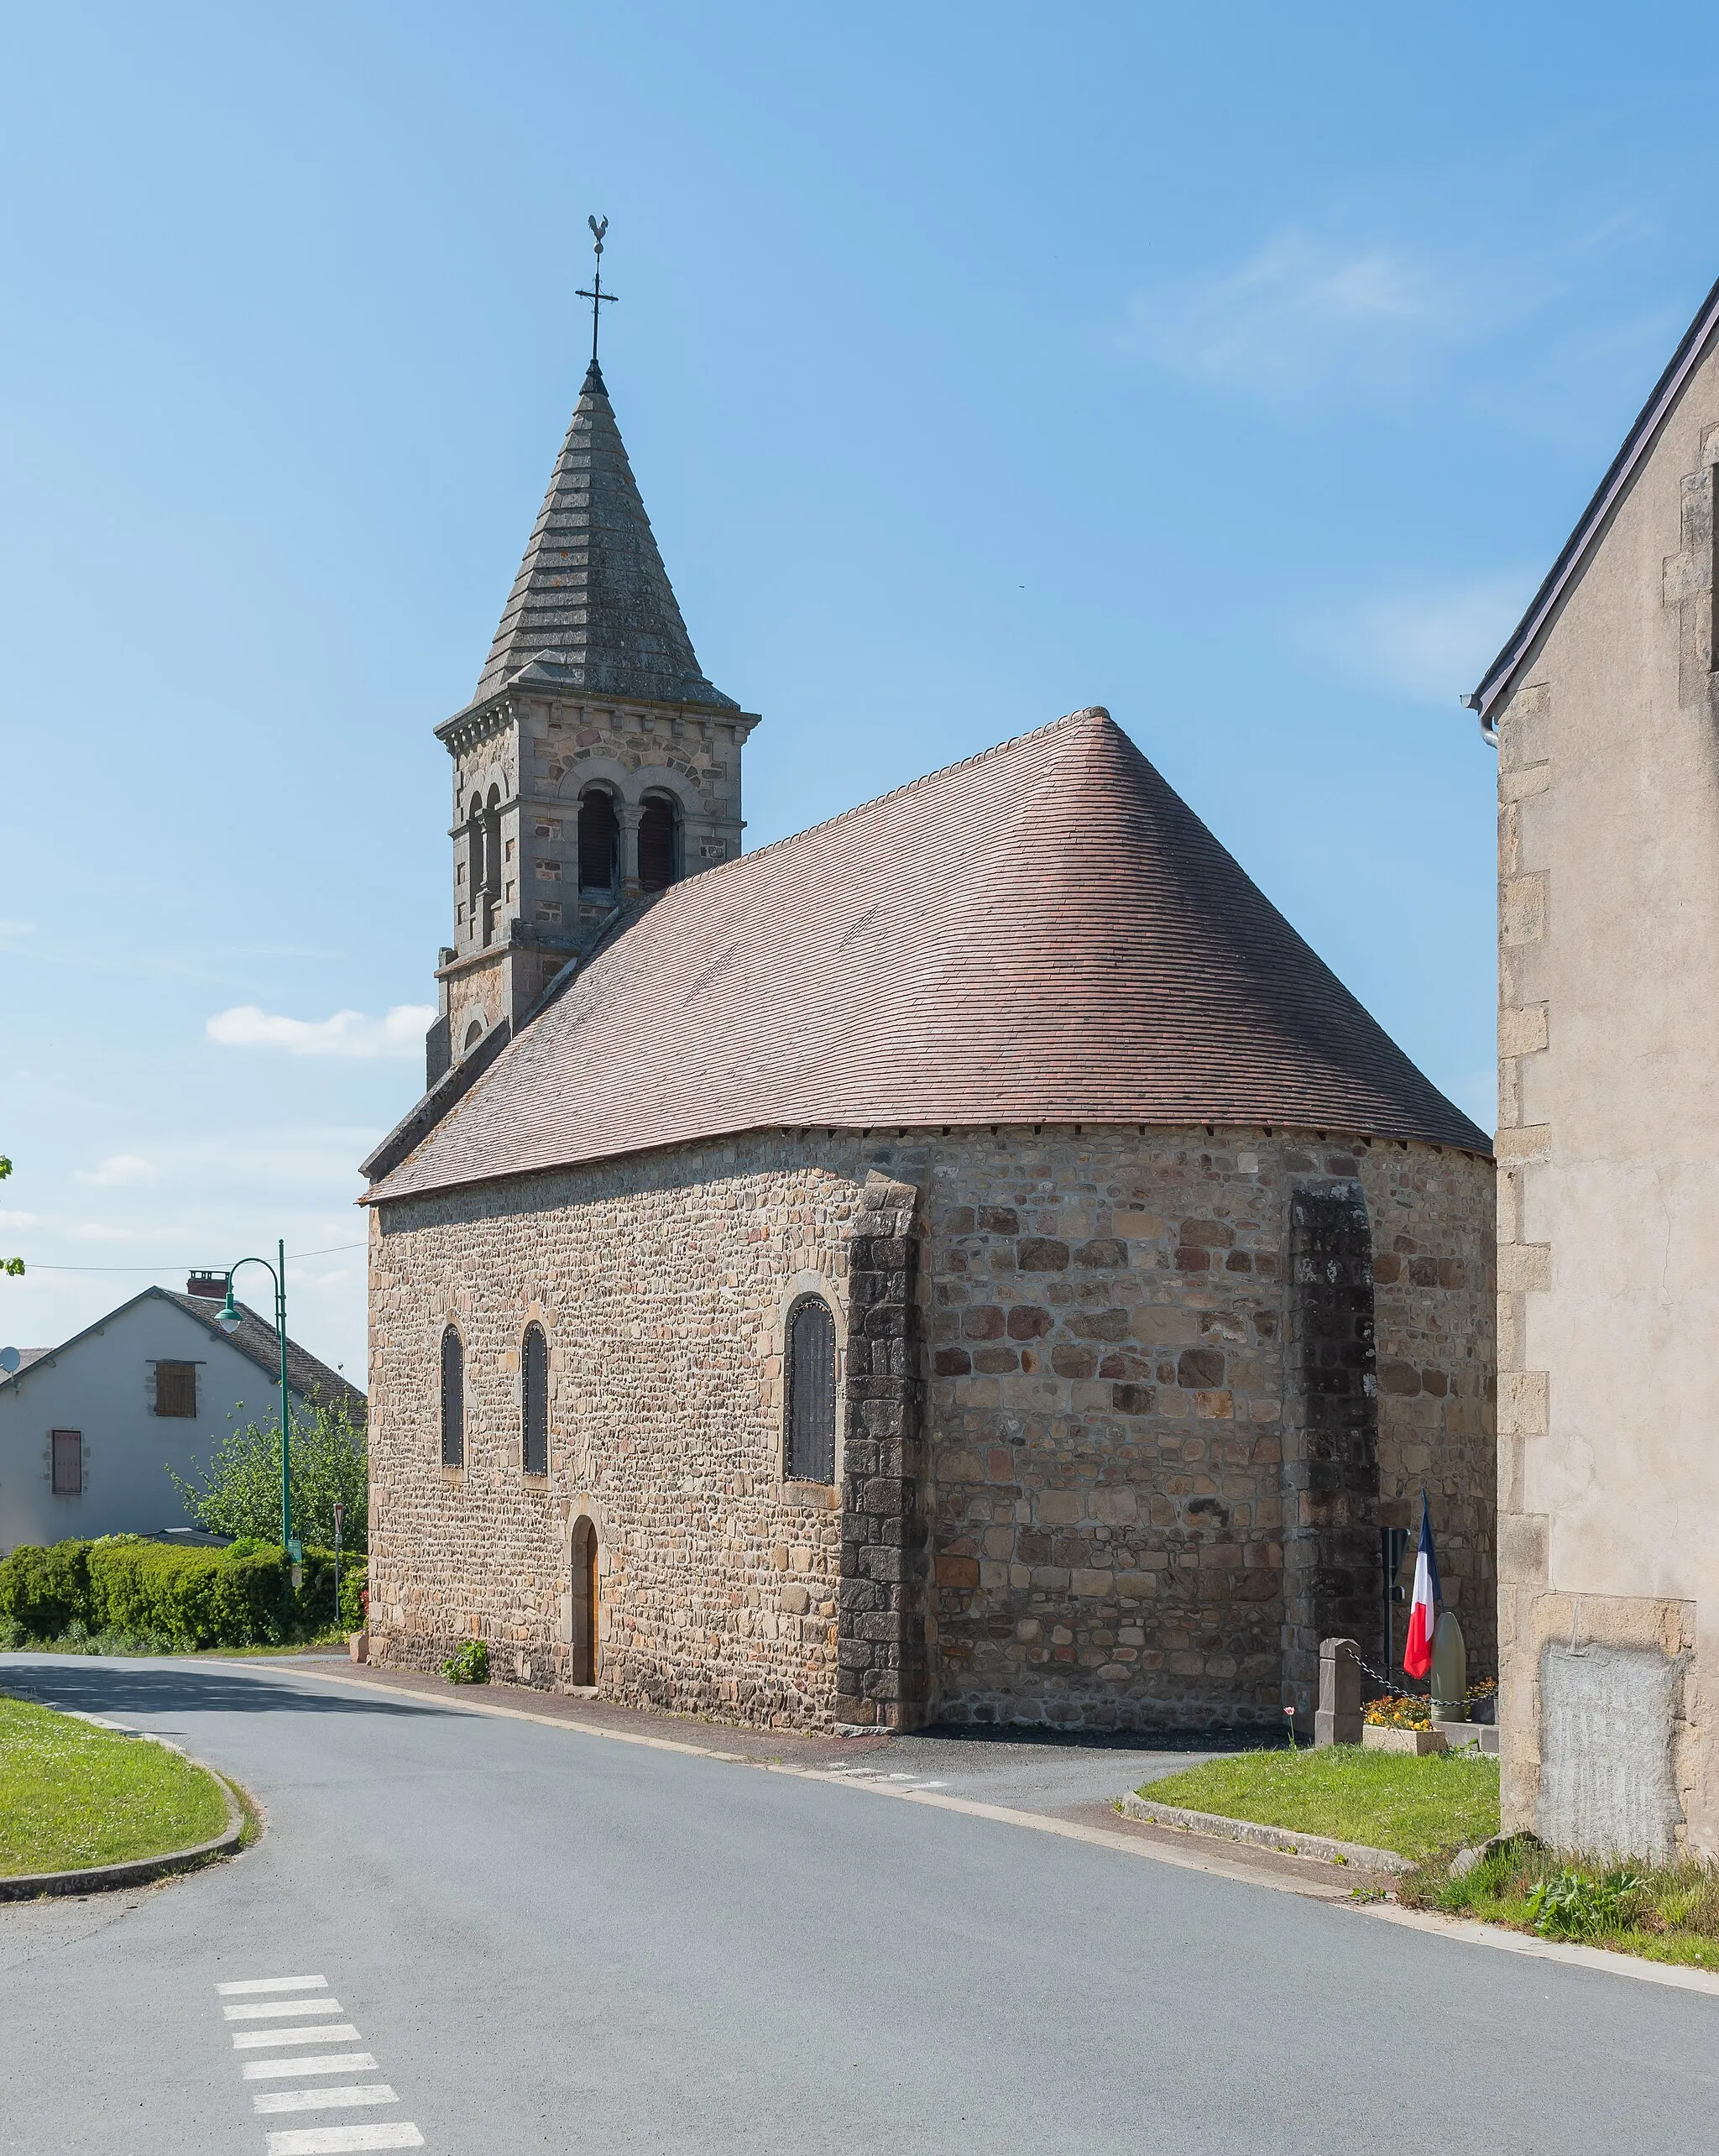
(627, 815)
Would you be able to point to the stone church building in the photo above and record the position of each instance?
(1604, 708)
(971, 1261)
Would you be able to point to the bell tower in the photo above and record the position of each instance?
(596, 764)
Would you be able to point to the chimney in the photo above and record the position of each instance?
(210, 1287)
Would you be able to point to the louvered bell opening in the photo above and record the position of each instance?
(598, 841)
(658, 865)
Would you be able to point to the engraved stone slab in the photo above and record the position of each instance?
(1607, 1784)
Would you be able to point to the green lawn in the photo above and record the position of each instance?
(72, 1795)
(1388, 1800)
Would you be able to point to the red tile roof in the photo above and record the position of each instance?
(1044, 934)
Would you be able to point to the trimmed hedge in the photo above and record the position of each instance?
(241, 1597)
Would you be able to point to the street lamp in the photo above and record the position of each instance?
(229, 1317)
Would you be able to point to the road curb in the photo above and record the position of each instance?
(1283, 1841)
(139, 1872)
(1469, 1931)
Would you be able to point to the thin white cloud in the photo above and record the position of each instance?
(1429, 646)
(1300, 313)
(347, 1033)
(19, 1219)
(95, 1231)
(119, 1171)
(10, 929)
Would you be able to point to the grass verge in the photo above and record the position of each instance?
(1664, 1913)
(72, 1795)
(1388, 1800)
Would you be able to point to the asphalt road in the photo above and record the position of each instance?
(548, 1940)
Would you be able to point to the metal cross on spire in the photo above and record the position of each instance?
(597, 296)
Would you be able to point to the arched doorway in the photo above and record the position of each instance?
(585, 1605)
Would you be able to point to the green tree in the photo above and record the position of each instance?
(238, 1492)
(13, 1265)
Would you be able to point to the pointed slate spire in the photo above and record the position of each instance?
(592, 606)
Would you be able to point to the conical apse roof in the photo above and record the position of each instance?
(592, 604)
(1046, 933)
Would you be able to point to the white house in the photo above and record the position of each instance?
(89, 1429)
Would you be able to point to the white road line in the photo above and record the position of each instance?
(283, 2009)
(254, 2039)
(288, 2099)
(338, 2140)
(336, 2062)
(274, 1984)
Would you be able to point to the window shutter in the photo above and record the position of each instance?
(68, 1463)
(176, 1389)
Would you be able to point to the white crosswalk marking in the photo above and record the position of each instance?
(296, 2022)
(286, 2100)
(339, 2062)
(273, 1983)
(254, 2039)
(283, 2009)
(338, 2140)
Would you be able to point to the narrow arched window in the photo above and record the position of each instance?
(811, 1392)
(599, 840)
(453, 1400)
(492, 844)
(534, 1401)
(659, 863)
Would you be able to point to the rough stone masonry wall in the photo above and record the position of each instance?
(1107, 1409)
(1097, 1482)
(662, 1284)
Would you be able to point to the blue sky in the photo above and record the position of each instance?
(1241, 373)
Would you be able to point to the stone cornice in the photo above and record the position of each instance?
(479, 722)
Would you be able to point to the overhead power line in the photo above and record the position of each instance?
(333, 1250)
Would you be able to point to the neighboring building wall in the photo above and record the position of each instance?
(1093, 1483)
(1608, 1154)
(536, 752)
(102, 1385)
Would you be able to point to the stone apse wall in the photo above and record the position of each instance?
(1077, 1434)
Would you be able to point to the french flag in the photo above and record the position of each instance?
(1424, 1611)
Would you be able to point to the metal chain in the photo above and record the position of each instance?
(1402, 1691)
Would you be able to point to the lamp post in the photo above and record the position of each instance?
(230, 1318)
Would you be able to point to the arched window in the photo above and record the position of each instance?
(453, 1400)
(658, 842)
(474, 851)
(492, 844)
(534, 1360)
(599, 840)
(474, 1034)
(811, 1392)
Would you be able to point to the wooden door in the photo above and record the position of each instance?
(590, 1605)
